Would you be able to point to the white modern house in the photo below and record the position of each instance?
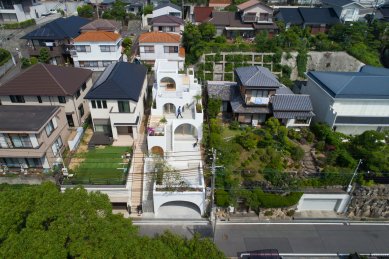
(347, 10)
(350, 102)
(176, 139)
(117, 100)
(161, 45)
(96, 50)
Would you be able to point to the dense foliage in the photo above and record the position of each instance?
(44, 56)
(19, 25)
(42, 222)
(116, 12)
(5, 55)
(85, 11)
(362, 40)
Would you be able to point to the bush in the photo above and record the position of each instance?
(297, 153)
(268, 213)
(234, 125)
(228, 77)
(85, 11)
(214, 107)
(221, 198)
(269, 200)
(19, 25)
(5, 55)
(320, 146)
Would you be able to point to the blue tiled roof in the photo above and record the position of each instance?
(119, 81)
(61, 28)
(306, 15)
(368, 84)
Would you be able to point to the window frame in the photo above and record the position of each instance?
(62, 99)
(17, 98)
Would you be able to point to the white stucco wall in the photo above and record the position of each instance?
(159, 52)
(165, 11)
(197, 198)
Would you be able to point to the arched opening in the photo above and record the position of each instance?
(157, 150)
(169, 83)
(185, 131)
(169, 108)
(179, 209)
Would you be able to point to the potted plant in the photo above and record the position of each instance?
(163, 120)
(198, 105)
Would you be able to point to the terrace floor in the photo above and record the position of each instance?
(123, 141)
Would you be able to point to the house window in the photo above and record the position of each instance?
(56, 147)
(61, 99)
(78, 93)
(19, 141)
(259, 93)
(124, 106)
(147, 49)
(83, 87)
(170, 49)
(301, 120)
(81, 110)
(49, 128)
(83, 48)
(107, 63)
(99, 104)
(160, 28)
(88, 63)
(39, 99)
(263, 16)
(250, 17)
(107, 48)
(171, 28)
(17, 99)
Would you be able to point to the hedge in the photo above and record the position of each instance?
(269, 200)
(19, 25)
(5, 55)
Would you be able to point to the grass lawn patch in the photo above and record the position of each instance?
(103, 165)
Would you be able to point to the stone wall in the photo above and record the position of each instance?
(370, 202)
(338, 61)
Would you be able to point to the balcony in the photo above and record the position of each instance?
(123, 117)
(53, 51)
(257, 100)
(24, 151)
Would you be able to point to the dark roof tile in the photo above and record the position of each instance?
(256, 76)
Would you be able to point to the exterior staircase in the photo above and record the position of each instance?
(136, 177)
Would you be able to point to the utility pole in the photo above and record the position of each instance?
(213, 171)
(352, 178)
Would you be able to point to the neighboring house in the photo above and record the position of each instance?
(219, 4)
(31, 137)
(102, 25)
(347, 10)
(56, 37)
(167, 23)
(252, 17)
(318, 19)
(96, 50)
(167, 8)
(20, 11)
(102, 4)
(351, 102)
(382, 13)
(134, 6)
(117, 100)
(202, 14)
(176, 139)
(258, 95)
(294, 2)
(161, 45)
(50, 85)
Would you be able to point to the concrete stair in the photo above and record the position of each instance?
(137, 175)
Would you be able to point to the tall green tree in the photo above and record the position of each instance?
(44, 56)
(41, 222)
(85, 11)
(207, 31)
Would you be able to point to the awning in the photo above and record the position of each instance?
(239, 28)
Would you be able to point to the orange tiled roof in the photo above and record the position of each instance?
(104, 36)
(181, 52)
(156, 37)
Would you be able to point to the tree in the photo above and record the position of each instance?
(214, 106)
(117, 12)
(191, 39)
(44, 56)
(85, 11)
(207, 31)
(127, 45)
(148, 9)
(42, 222)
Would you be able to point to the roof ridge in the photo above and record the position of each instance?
(345, 84)
(52, 76)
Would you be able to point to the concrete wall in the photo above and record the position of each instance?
(342, 201)
(197, 198)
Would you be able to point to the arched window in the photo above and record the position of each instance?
(168, 82)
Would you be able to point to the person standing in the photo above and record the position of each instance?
(179, 112)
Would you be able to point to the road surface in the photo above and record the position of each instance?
(304, 238)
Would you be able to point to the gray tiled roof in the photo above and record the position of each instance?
(25, 117)
(357, 85)
(291, 102)
(238, 106)
(222, 90)
(119, 81)
(167, 19)
(362, 120)
(256, 76)
(339, 2)
(292, 115)
(284, 90)
(163, 5)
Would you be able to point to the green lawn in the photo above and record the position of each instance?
(102, 165)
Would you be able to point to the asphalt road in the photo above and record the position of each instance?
(233, 238)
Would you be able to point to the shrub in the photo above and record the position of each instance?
(297, 153)
(221, 198)
(269, 200)
(301, 60)
(247, 140)
(228, 77)
(320, 146)
(234, 125)
(214, 107)
(5, 55)
(228, 67)
(19, 25)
